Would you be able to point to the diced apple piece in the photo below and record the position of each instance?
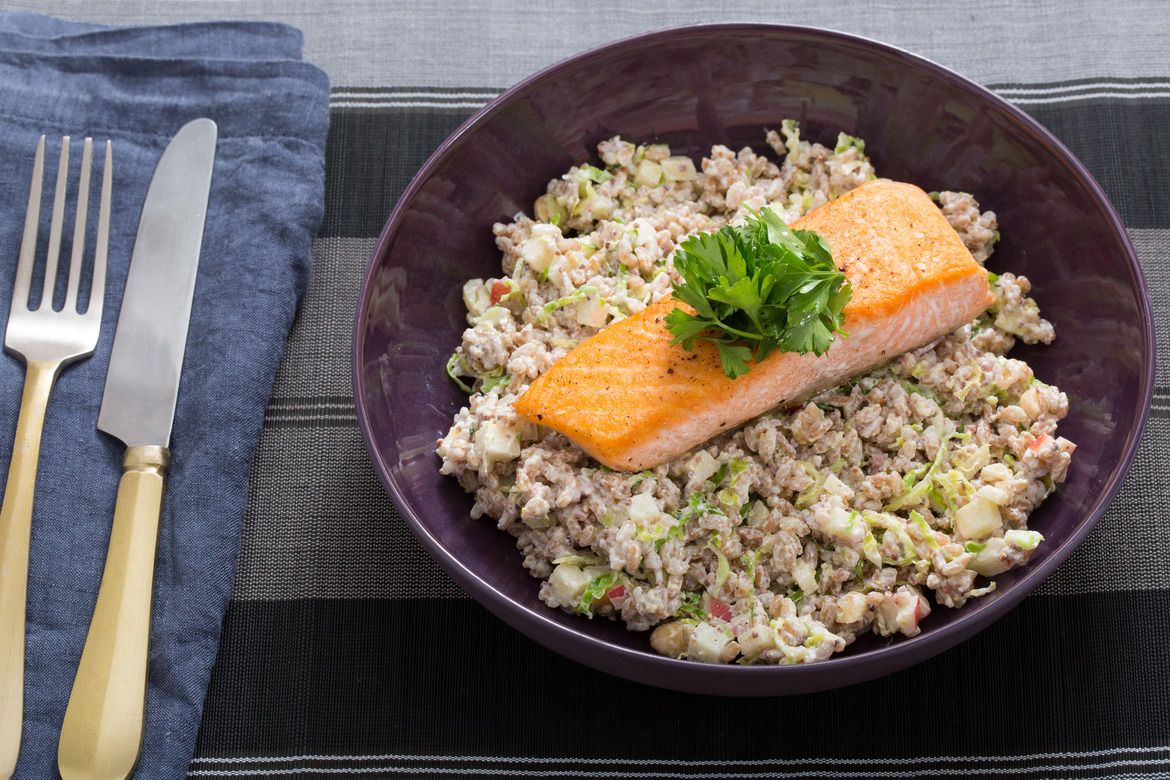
(548, 209)
(702, 466)
(591, 312)
(994, 494)
(970, 459)
(657, 152)
(834, 486)
(1030, 402)
(851, 607)
(540, 249)
(756, 640)
(644, 233)
(678, 169)
(598, 207)
(995, 472)
(649, 174)
(990, 561)
(476, 296)
(707, 644)
(644, 510)
(497, 443)
(978, 519)
(805, 576)
(901, 612)
(568, 583)
(841, 524)
(538, 253)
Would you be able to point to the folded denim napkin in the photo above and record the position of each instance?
(137, 87)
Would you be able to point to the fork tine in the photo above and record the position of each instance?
(97, 290)
(32, 218)
(55, 227)
(79, 227)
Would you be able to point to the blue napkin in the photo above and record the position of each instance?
(137, 87)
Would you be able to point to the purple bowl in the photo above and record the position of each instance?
(693, 87)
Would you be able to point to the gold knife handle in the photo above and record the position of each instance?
(15, 528)
(102, 731)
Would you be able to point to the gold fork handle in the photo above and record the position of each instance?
(15, 527)
(102, 731)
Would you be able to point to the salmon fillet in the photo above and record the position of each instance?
(633, 400)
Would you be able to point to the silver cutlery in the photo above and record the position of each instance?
(102, 731)
(46, 340)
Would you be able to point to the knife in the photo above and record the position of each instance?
(103, 727)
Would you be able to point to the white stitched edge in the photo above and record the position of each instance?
(1082, 87)
(341, 92)
(403, 104)
(1088, 96)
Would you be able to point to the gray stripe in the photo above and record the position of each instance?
(319, 525)
(1129, 548)
(343, 100)
(370, 43)
(317, 356)
(1153, 248)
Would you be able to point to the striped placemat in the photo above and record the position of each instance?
(347, 651)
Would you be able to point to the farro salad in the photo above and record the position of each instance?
(784, 540)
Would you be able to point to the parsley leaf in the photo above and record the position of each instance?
(756, 289)
(733, 358)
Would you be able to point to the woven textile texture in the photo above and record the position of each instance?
(347, 651)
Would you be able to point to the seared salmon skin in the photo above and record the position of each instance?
(632, 399)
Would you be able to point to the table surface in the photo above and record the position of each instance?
(346, 649)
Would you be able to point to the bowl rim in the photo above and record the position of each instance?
(683, 675)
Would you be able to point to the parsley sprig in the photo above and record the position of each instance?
(756, 289)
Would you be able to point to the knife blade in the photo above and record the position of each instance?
(101, 734)
(142, 383)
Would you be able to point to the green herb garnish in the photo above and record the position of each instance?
(756, 289)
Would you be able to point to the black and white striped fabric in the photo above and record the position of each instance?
(347, 651)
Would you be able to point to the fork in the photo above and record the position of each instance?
(46, 340)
